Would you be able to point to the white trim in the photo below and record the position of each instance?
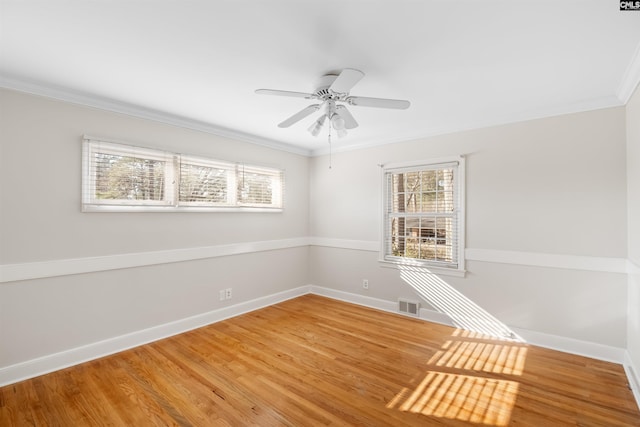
(631, 78)
(53, 362)
(572, 262)
(610, 101)
(456, 272)
(378, 304)
(358, 245)
(422, 164)
(89, 100)
(632, 372)
(89, 208)
(63, 267)
(571, 345)
(554, 342)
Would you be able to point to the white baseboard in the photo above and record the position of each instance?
(590, 349)
(554, 342)
(632, 374)
(380, 304)
(53, 362)
(35, 367)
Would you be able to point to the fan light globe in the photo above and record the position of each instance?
(316, 127)
(337, 122)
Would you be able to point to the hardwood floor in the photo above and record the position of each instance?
(313, 361)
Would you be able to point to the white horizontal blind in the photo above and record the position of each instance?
(259, 186)
(121, 175)
(124, 177)
(422, 213)
(205, 182)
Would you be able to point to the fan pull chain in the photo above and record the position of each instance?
(329, 138)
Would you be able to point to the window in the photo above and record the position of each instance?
(119, 177)
(423, 214)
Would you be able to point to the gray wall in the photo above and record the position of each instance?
(633, 206)
(41, 224)
(551, 189)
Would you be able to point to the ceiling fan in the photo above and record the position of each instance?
(332, 91)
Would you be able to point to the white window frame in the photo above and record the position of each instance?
(388, 260)
(171, 202)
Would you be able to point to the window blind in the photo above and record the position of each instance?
(204, 182)
(422, 214)
(259, 186)
(119, 175)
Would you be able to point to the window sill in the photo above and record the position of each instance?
(429, 269)
(235, 209)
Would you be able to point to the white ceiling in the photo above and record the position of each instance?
(462, 64)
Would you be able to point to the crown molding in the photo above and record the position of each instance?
(625, 90)
(631, 78)
(102, 103)
(517, 117)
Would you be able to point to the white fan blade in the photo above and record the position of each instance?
(349, 121)
(346, 80)
(299, 116)
(284, 93)
(362, 101)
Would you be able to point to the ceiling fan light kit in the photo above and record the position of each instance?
(331, 90)
(316, 126)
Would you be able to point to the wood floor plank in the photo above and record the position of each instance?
(314, 361)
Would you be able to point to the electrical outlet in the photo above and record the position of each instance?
(365, 283)
(227, 293)
(223, 295)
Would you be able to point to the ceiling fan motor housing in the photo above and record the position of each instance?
(322, 87)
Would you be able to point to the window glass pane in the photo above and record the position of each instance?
(128, 178)
(203, 184)
(255, 189)
(429, 201)
(427, 249)
(397, 246)
(429, 180)
(397, 203)
(411, 249)
(259, 187)
(412, 187)
(427, 227)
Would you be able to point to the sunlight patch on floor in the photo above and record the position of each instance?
(460, 397)
(481, 356)
(458, 383)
